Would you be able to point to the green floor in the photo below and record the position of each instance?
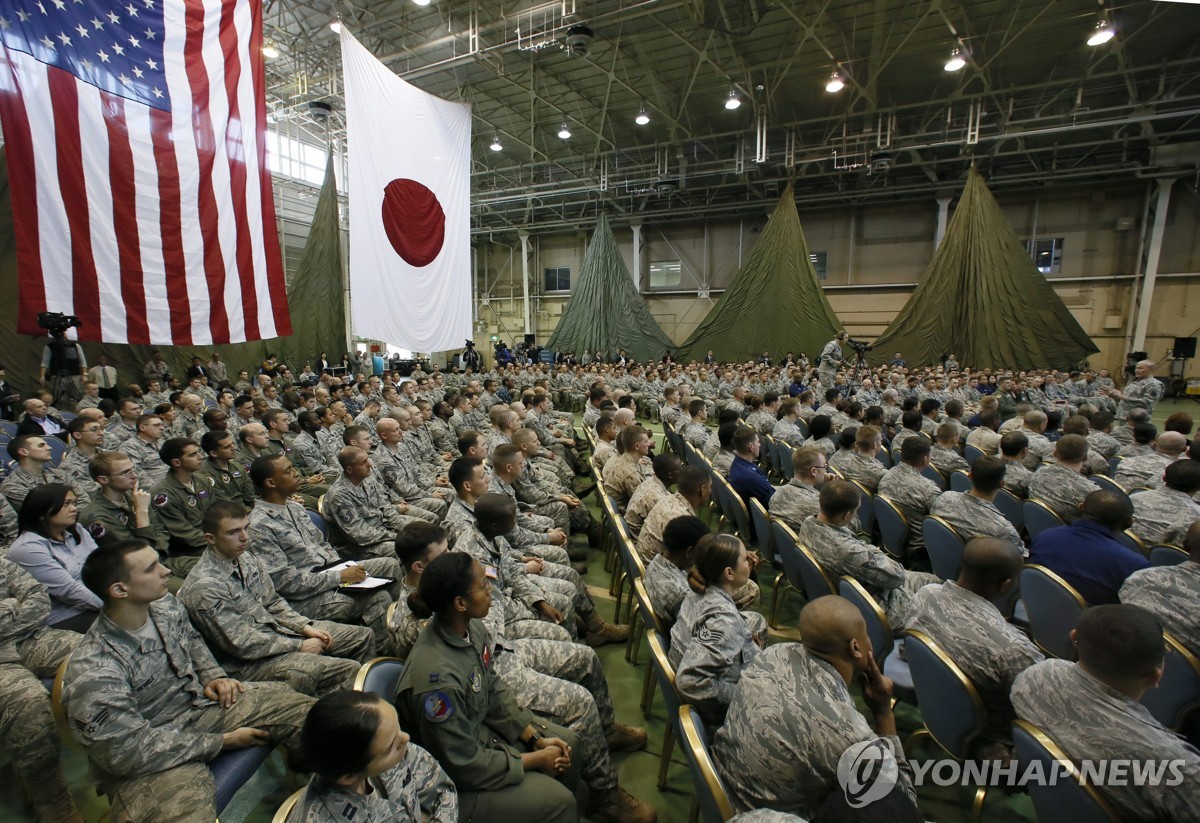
(257, 801)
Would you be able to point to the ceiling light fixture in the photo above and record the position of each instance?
(421, 2)
(956, 62)
(642, 118)
(835, 84)
(564, 133)
(733, 101)
(1103, 32)
(269, 51)
(335, 26)
(496, 144)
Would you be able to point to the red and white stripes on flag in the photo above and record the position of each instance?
(136, 145)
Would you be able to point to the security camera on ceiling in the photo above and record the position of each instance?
(579, 40)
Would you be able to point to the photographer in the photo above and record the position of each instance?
(470, 357)
(830, 359)
(62, 359)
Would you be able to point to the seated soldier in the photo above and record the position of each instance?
(745, 475)
(985, 436)
(359, 508)
(1087, 553)
(1171, 592)
(180, 500)
(230, 479)
(624, 473)
(396, 471)
(87, 439)
(839, 552)
(1091, 709)
(365, 766)
(962, 618)
(30, 651)
(251, 629)
(1060, 484)
(606, 435)
(796, 501)
(300, 561)
(32, 468)
(859, 463)
(691, 495)
(944, 453)
(1146, 470)
(1013, 448)
(148, 702)
(121, 510)
(722, 459)
(666, 474)
(666, 575)
(1164, 515)
(973, 513)
(912, 492)
(792, 716)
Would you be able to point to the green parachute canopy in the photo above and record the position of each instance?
(774, 303)
(315, 297)
(983, 300)
(605, 312)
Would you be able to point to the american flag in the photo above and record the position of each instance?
(135, 138)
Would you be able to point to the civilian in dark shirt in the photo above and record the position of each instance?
(747, 479)
(1086, 553)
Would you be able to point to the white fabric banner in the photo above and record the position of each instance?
(410, 220)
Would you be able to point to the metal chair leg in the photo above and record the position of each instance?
(668, 747)
(648, 685)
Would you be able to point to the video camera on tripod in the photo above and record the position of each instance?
(859, 346)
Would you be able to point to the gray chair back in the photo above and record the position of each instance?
(1053, 607)
(1066, 799)
(944, 545)
(950, 705)
(893, 526)
(1178, 692)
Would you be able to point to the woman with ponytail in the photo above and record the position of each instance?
(506, 766)
(711, 642)
(365, 768)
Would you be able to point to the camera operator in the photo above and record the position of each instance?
(470, 357)
(62, 359)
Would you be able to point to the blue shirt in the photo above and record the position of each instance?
(1087, 556)
(749, 480)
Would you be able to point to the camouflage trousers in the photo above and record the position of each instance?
(536, 522)
(561, 595)
(366, 607)
(27, 725)
(564, 702)
(185, 794)
(557, 470)
(896, 602)
(580, 599)
(547, 552)
(316, 674)
(523, 623)
(435, 507)
(557, 512)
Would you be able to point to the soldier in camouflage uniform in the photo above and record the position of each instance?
(962, 618)
(974, 513)
(694, 431)
(150, 747)
(401, 783)
(1091, 709)
(142, 449)
(1143, 393)
(252, 630)
(29, 651)
(180, 501)
(711, 641)
(396, 470)
(87, 439)
(1146, 470)
(799, 693)
(666, 575)
(797, 500)
(8, 524)
(666, 474)
(33, 468)
(298, 558)
(1061, 484)
(691, 495)
(1165, 515)
(835, 547)
(358, 507)
(1013, 446)
(1171, 592)
(859, 463)
(624, 473)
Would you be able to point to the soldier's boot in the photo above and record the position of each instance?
(577, 553)
(580, 566)
(619, 806)
(601, 633)
(622, 737)
(595, 534)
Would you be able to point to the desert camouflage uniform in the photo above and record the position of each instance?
(137, 705)
(650, 539)
(711, 644)
(643, 502)
(604, 452)
(415, 789)
(622, 476)
(990, 650)
(840, 553)
(257, 635)
(1171, 594)
(19, 483)
(29, 651)
(695, 433)
(855, 465)
(1092, 721)
(790, 720)
(292, 550)
(1062, 489)
(982, 438)
(149, 466)
(971, 516)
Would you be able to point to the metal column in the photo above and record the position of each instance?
(1150, 262)
(525, 276)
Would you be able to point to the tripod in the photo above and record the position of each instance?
(65, 390)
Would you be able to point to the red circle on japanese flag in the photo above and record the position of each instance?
(414, 221)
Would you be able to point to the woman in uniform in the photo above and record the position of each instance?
(711, 641)
(365, 769)
(506, 766)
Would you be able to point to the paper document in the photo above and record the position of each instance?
(368, 583)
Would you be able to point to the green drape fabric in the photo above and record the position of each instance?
(983, 300)
(774, 303)
(315, 297)
(605, 312)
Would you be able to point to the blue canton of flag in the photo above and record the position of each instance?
(116, 48)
